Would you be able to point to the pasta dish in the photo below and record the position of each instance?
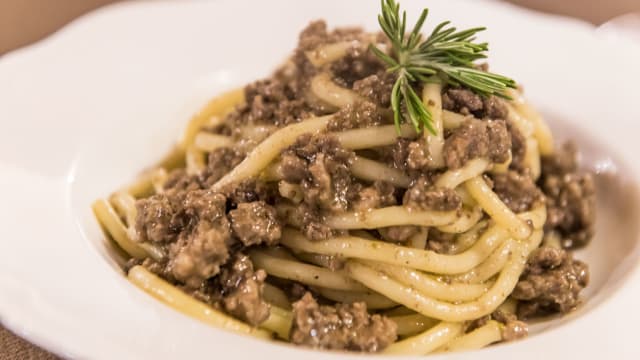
(379, 192)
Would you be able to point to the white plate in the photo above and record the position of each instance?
(85, 110)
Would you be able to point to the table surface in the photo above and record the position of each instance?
(47, 16)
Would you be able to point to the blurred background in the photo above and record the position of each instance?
(25, 21)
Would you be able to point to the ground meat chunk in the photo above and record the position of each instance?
(357, 115)
(343, 327)
(321, 167)
(179, 180)
(205, 205)
(417, 155)
(514, 329)
(158, 219)
(293, 168)
(411, 156)
(219, 163)
(571, 198)
(316, 34)
(476, 139)
(397, 153)
(563, 161)
(197, 256)
(463, 101)
(376, 88)
(203, 236)
(311, 222)
(255, 223)
(272, 101)
(441, 242)
(551, 283)
(241, 288)
(467, 102)
(495, 108)
(250, 190)
(399, 233)
(359, 63)
(422, 195)
(518, 147)
(517, 191)
(571, 207)
(192, 227)
(379, 194)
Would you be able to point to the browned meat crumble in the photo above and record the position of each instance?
(379, 194)
(359, 115)
(518, 148)
(518, 191)
(241, 288)
(255, 223)
(343, 327)
(551, 283)
(421, 195)
(219, 163)
(476, 138)
(571, 198)
(376, 88)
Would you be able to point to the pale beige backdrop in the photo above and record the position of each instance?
(25, 21)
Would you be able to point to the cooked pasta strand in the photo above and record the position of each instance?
(172, 296)
(466, 240)
(125, 205)
(390, 216)
(328, 53)
(524, 126)
(465, 221)
(447, 311)
(304, 273)
(412, 324)
(432, 100)
(279, 321)
(326, 90)
(419, 240)
(159, 177)
(536, 216)
(375, 136)
(218, 107)
(491, 266)
(426, 260)
(196, 160)
(273, 295)
(372, 170)
(452, 120)
(269, 149)
(208, 142)
(429, 285)
(361, 167)
(452, 178)
(427, 341)
(532, 158)
(541, 130)
(173, 159)
(497, 209)
(483, 336)
(141, 187)
(111, 222)
(374, 301)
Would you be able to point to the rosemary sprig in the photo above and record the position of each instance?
(447, 55)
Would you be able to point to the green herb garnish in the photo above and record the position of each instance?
(446, 55)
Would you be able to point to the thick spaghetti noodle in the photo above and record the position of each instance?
(413, 241)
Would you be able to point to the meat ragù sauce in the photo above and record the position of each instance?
(280, 246)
